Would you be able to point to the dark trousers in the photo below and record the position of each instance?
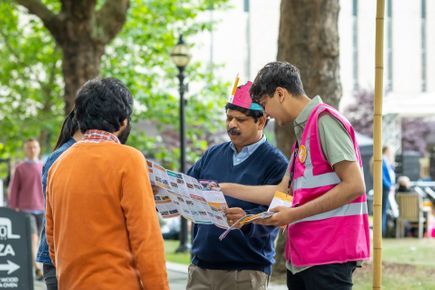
(323, 277)
(50, 276)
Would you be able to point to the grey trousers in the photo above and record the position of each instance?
(207, 279)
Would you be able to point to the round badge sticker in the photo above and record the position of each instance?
(302, 154)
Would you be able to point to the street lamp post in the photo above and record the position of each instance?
(180, 55)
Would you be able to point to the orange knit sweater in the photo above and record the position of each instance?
(102, 228)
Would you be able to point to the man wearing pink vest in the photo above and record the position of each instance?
(328, 231)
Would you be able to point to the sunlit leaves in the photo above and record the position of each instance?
(31, 84)
(140, 57)
(30, 79)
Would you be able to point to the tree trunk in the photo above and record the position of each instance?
(82, 32)
(81, 52)
(279, 266)
(81, 62)
(308, 38)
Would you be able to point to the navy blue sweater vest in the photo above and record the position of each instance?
(251, 247)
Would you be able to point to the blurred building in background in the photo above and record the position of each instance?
(245, 37)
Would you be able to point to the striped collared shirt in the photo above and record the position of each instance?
(98, 136)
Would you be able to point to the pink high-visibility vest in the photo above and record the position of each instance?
(337, 236)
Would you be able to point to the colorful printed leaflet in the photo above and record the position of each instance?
(249, 218)
(183, 193)
(200, 209)
(157, 175)
(164, 204)
(178, 193)
(279, 199)
(217, 203)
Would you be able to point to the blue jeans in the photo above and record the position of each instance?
(385, 205)
(43, 254)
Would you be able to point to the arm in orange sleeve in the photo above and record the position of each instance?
(49, 221)
(146, 240)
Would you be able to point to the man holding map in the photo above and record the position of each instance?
(243, 260)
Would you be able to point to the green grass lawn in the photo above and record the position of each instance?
(409, 251)
(171, 256)
(408, 264)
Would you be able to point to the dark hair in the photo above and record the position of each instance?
(385, 148)
(31, 140)
(103, 104)
(276, 74)
(69, 127)
(250, 113)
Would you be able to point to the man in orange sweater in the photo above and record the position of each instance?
(102, 228)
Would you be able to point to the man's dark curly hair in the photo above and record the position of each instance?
(276, 74)
(103, 104)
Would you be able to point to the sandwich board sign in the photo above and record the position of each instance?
(15, 251)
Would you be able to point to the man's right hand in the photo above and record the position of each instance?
(233, 214)
(282, 216)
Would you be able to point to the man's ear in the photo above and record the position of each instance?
(281, 92)
(124, 123)
(262, 122)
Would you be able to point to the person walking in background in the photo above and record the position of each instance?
(101, 224)
(243, 260)
(388, 186)
(328, 229)
(69, 135)
(25, 194)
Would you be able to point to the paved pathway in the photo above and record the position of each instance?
(177, 279)
(39, 285)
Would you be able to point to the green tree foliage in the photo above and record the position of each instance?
(142, 61)
(31, 83)
(30, 80)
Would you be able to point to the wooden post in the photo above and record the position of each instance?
(377, 147)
